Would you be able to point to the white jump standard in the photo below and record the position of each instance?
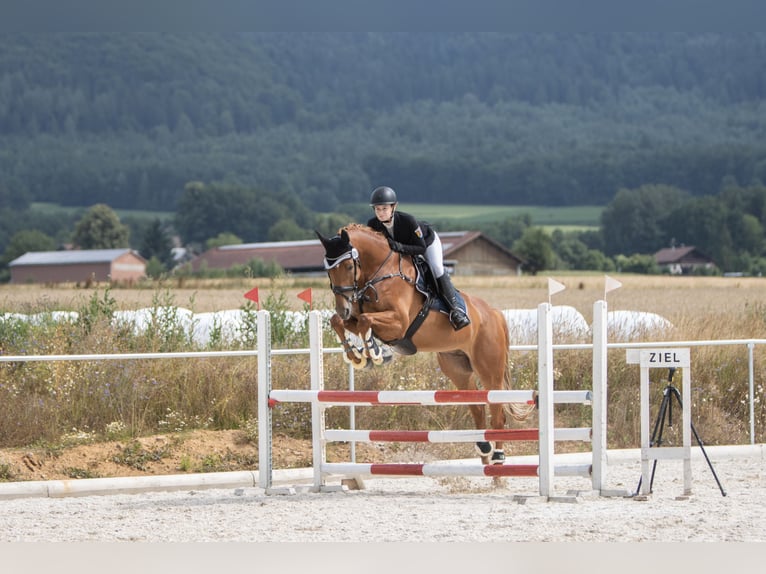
(544, 397)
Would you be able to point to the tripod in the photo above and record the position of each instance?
(666, 408)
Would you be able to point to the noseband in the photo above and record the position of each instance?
(332, 263)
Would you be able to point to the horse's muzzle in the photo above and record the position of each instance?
(343, 311)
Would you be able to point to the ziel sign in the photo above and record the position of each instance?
(673, 358)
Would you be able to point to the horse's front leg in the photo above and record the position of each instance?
(351, 354)
(387, 325)
(370, 345)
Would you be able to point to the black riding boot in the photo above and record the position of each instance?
(447, 291)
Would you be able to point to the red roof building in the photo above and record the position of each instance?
(465, 253)
(78, 266)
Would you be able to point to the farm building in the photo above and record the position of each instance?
(78, 266)
(300, 257)
(473, 253)
(683, 260)
(465, 253)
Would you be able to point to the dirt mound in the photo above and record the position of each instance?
(190, 452)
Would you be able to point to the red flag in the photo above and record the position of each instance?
(253, 296)
(305, 295)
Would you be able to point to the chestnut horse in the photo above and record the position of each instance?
(376, 298)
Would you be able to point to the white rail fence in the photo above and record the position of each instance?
(544, 395)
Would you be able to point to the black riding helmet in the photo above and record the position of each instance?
(383, 196)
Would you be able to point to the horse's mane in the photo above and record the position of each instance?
(360, 227)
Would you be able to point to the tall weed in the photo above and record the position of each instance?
(44, 401)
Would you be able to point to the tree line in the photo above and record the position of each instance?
(548, 119)
(729, 227)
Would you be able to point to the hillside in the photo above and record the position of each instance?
(521, 119)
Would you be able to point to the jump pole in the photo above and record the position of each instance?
(369, 398)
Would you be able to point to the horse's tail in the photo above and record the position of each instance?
(517, 411)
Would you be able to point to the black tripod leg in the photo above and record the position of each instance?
(710, 464)
(656, 438)
(665, 408)
(702, 447)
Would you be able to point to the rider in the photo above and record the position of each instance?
(407, 235)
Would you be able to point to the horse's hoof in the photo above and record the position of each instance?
(357, 361)
(374, 354)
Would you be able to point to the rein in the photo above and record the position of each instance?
(358, 294)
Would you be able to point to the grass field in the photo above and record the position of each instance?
(679, 299)
(565, 218)
(581, 216)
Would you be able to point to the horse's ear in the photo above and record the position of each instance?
(321, 237)
(344, 236)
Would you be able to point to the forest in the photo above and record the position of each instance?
(299, 127)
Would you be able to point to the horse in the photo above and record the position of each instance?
(376, 298)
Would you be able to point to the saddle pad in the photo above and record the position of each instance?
(437, 302)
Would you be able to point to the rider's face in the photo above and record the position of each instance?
(384, 212)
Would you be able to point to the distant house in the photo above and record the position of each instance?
(465, 253)
(473, 253)
(683, 260)
(78, 266)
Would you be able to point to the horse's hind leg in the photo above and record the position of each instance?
(497, 421)
(457, 367)
(490, 381)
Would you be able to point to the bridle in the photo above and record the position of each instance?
(356, 293)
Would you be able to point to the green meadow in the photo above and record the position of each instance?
(565, 218)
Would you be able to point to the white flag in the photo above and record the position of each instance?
(610, 284)
(554, 287)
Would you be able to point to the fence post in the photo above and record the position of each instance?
(599, 384)
(751, 390)
(316, 358)
(265, 465)
(545, 396)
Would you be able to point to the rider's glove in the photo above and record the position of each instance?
(395, 245)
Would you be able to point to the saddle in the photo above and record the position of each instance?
(425, 283)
